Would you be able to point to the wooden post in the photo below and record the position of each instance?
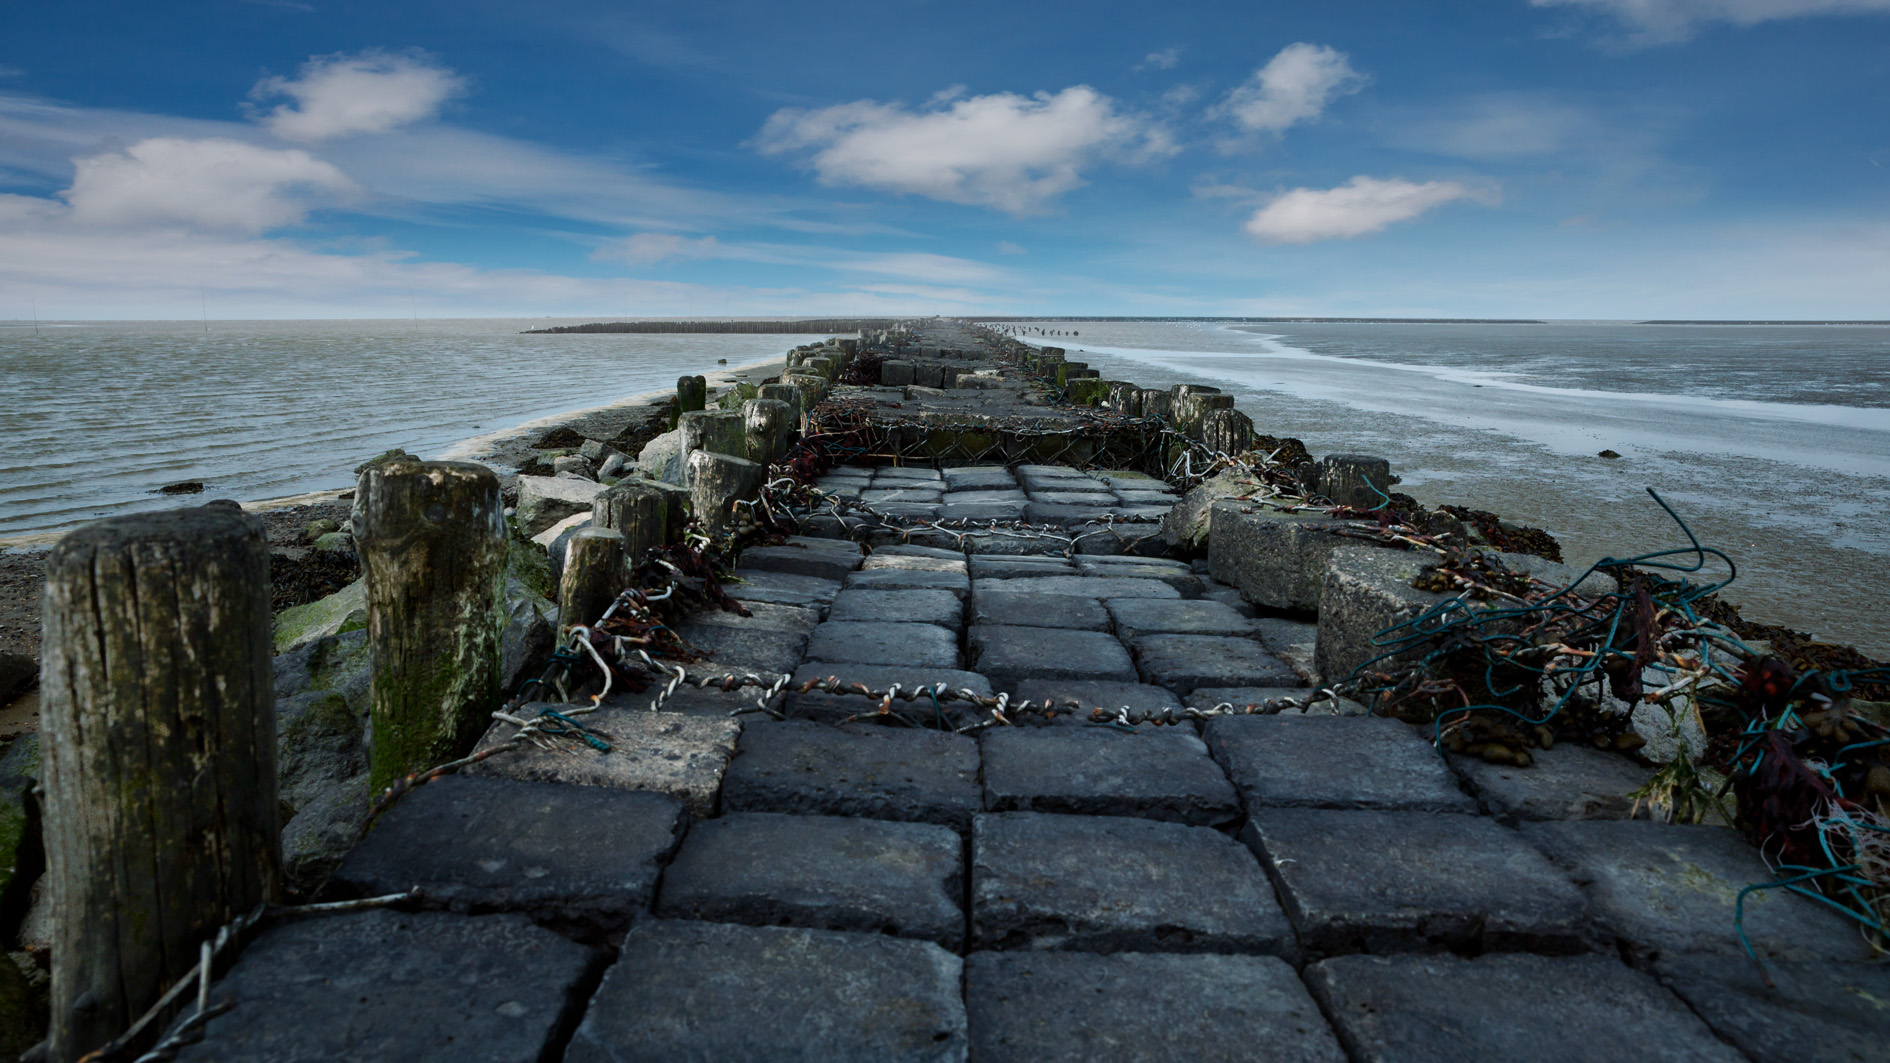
(1227, 431)
(157, 706)
(593, 575)
(640, 511)
(431, 535)
(718, 481)
(767, 423)
(692, 393)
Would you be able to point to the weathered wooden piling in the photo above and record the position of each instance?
(788, 394)
(768, 427)
(157, 707)
(593, 575)
(432, 541)
(717, 482)
(1227, 431)
(640, 511)
(692, 393)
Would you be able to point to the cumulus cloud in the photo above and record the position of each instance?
(341, 95)
(1015, 153)
(1360, 206)
(640, 249)
(1663, 21)
(212, 183)
(1295, 86)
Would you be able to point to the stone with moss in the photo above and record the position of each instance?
(345, 610)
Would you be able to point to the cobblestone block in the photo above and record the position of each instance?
(781, 588)
(829, 559)
(1278, 560)
(1567, 782)
(1157, 616)
(913, 562)
(1022, 609)
(890, 773)
(967, 477)
(1333, 762)
(1117, 884)
(1183, 662)
(1055, 1007)
(1009, 654)
(906, 473)
(982, 511)
(1066, 514)
(1413, 881)
(941, 608)
(685, 990)
(1059, 496)
(1812, 1012)
(909, 550)
(914, 645)
(1080, 586)
(661, 752)
(827, 872)
(762, 615)
(1157, 773)
(987, 494)
(905, 579)
(1495, 1009)
(880, 494)
(740, 649)
(1008, 566)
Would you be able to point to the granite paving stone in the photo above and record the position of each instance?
(1079, 586)
(987, 494)
(909, 550)
(1812, 1012)
(1064, 513)
(941, 608)
(828, 872)
(975, 476)
(1145, 498)
(412, 986)
(1158, 773)
(1072, 1007)
(913, 562)
(480, 844)
(888, 773)
(1004, 543)
(835, 707)
(1186, 583)
(691, 700)
(1118, 884)
(908, 510)
(1566, 782)
(1059, 496)
(1159, 616)
(1665, 889)
(685, 990)
(762, 615)
(1008, 654)
(857, 642)
(1506, 1007)
(662, 752)
(1089, 694)
(1333, 762)
(804, 556)
(1140, 513)
(782, 588)
(1183, 662)
(1280, 632)
(1004, 566)
(1208, 697)
(880, 495)
(735, 649)
(905, 579)
(981, 511)
(1023, 609)
(906, 472)
(1372, 881)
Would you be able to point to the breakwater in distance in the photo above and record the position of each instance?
(787, 327)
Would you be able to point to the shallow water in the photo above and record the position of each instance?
(96, 416)
(1772, 442)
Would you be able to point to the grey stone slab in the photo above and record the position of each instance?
(1157, 773)
(906, 473)
(981, 511)
(684, 990)
(1240, 697)
(856, 642)
(1664, 889)
(485, 845)
(1078, 698)
(805, 556)
(741, 649)
(907, 510)
(1009, 654)
(879, 496)
(1370, 881)
(1566, 782)
(1366, 590)
(691, 700)
(847, 488)
(884, 558)
(1055, 1007)
(1146, 498)
(1142, 515)
(661, 752)
(1333, 762)
(1279, 632)
(1080, 586)
(988, 494)
(1506, 1007)
(762, 615)
(426, 986)
(1158, 616)
(1277, 559)
(1007, 543)
(1187, 583)
(836, 707)
(1065, 514)
(890, 773)
(781, 588)
(1059, 496)
(1183, 662)
(978, 476)
(1022, 609)
(941, 608)
(908, 550)
(1006, 566)
(1103, 564)
(827, 872)
(906, 579)
(1118, 884)
(1812, 1012)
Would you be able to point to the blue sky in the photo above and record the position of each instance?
(1541, 158)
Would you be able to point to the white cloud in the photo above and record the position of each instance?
(1011, 152)
(1162, 60)
(641, 249)
(1005, 247)
(1360, 206)
(340, 95)
(1295, 86)
(212, 184)
(1663, 21)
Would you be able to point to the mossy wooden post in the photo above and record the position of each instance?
(593, 575)
(766, 421)
(431, 535)
(159, 762)
(692, 393)
(640, 511)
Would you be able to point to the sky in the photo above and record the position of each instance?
(1508, 158)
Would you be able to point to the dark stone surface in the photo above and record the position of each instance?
(761, 615)
(1010, 654)
(1367, 881)
(892, 773)
(384, 985)
(942, 608)
(1333, 762)
(1183, 662)
(1012, 566)
(1566, 782)
(1208, 697)
(1814, 1012)
(1186, 583)
(1057, 496)
(484, 844)
(1157, 616)
(743, 994)
(901, 579)
(1072, 1007)
(836, 707)
(974, 476)
(1159, 773)
(908, 550)
(1059, 513)
(1094, 694)
(915, 645)
(1665, 889)
(828, 872)
(822, 558)
(744, 649)
(782, 588)
(1023, 609)
(1504, 1008)
(981, 510)
(1109, 884)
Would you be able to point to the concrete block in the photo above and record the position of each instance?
(823, 706)
(1372, 881)
(742, 994)
(1333, 762)
(426, 986)
(941, 608)
(914, 562)
(1081, 586)
(1812, 1012)
(1021, 609)
(829, 559)
(885, 773)
(546, 500)
(1094, 499)
(1010, 566)
(1009, 654)
(1186, 583)
(1043, 1007)
(1663, 889)
(1117, 884)
(1368, 590)
(1158, 616)
(907, 579)
(743, 649)
(826, 872)
(1183, 662)
(911, 645)
(880, 495)
(970, 477)
(661, 752)
(981, 511)
(1567, 782)
(1278, 560)
(911, 473)
(761, 615)
(1157, 773)
(782, 588)
(897, 373)
(970, 496)
(909, 550)
(481, 844)
(1493, 1009)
